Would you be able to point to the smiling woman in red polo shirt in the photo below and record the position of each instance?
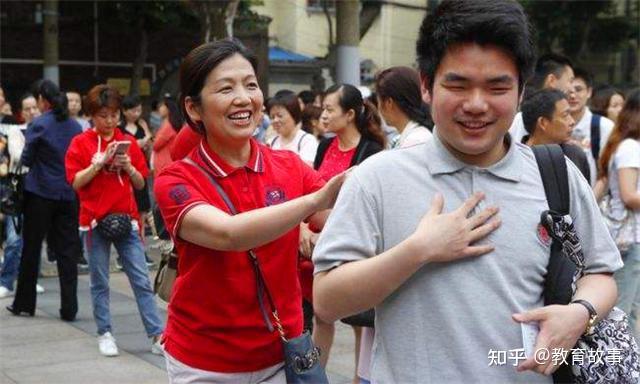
(215, 330)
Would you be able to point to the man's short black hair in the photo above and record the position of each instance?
(502, 23)
(584, 75)
(541, 103)
(550, 63)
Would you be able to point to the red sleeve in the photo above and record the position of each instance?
(176, 195)
(311, 179)
(163, 137)
(75, 160)
(137, 157)
(185, 141)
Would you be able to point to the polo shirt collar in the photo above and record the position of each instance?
(441, 161)
(221, 168)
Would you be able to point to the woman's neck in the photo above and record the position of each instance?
(348, 138)
(401, 123)
(234, 155)
(106, 135)
(290, 135)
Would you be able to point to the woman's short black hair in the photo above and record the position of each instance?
(199, 63)
(502, 23)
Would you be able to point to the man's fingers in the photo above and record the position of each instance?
(484, 230)
(477, 250)
(483, 216)
(530, 363)
(470, 203)
(437, 204)
(537, 314)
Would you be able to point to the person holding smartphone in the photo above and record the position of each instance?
(104, 166)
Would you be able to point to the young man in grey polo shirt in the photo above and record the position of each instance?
(452, 278)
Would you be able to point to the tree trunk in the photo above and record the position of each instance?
(51, 70)
(137, 72)
(348, 40)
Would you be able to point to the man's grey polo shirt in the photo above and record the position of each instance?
(440, 325)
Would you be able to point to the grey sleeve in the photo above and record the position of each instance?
(600, 252)
(352, 231)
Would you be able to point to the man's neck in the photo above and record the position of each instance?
(577, 116)
(538, 140)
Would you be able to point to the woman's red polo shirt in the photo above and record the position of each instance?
(214, 322)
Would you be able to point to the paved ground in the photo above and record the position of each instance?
(43, 349)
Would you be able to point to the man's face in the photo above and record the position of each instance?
(29, 109)
(473, 101)
(580, 96)
(561, 125)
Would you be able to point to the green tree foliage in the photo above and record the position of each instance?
(579, 28)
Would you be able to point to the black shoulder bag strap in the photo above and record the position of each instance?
(595, 136)
(553, 170)
(261, 286)
(560, 272)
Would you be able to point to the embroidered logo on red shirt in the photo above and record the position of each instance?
(274, 195)
(179, 194)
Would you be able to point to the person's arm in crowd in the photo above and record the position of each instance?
(210, 227)
(32, 138)
(124, 162)
(562, 325)
(600, 188)
(359, 285)
(4, 128)
(628, 181)
(145, 142)
(98, 161)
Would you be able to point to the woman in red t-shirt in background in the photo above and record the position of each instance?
(165, 138)
(216, 331)
(358, 135)
(104, 173)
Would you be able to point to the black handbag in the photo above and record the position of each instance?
(301, 357)
(114, 226)
(12, 200)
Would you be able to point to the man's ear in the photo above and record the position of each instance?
(542, 123)
(424, 89)
(550, 81)
(193, 109)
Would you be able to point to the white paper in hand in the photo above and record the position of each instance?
(529, 335)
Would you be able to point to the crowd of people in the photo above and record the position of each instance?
(419, 198)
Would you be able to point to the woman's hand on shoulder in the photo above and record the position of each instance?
(326, 196)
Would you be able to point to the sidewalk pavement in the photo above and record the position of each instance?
(44, 349)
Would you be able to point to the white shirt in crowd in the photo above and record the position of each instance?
(412, 134)
(627, 155)
(304, 144)
(582, 133)
(517, 129)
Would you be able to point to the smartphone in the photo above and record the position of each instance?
(122, 147)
